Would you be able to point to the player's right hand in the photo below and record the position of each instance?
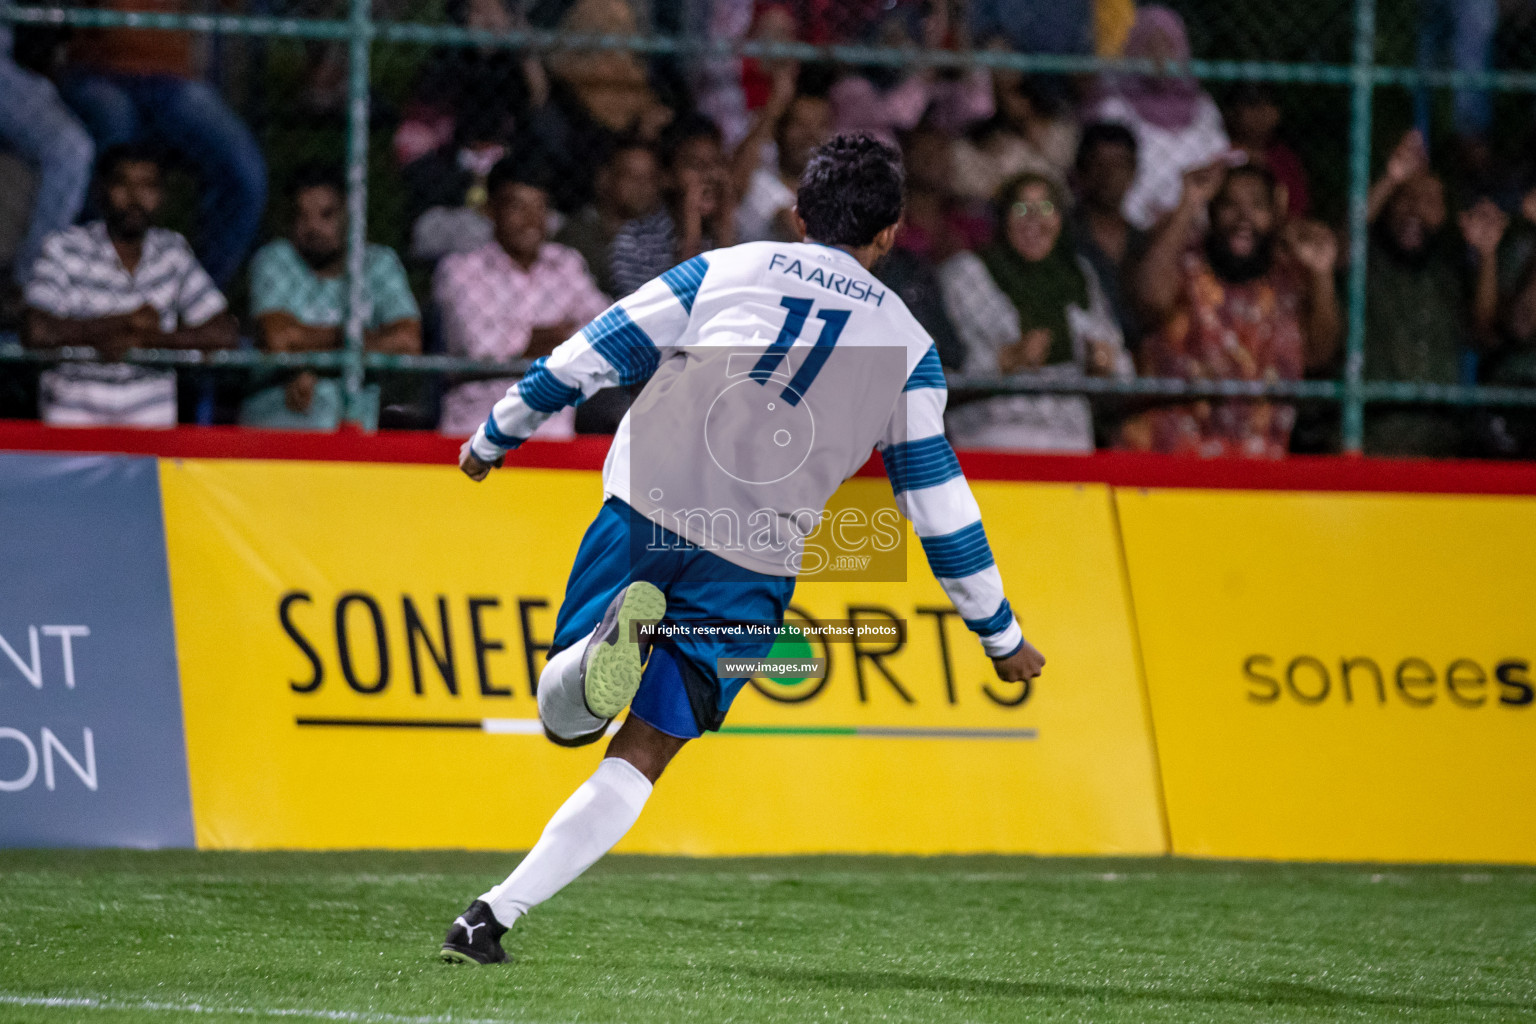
(474, 467)
(1024, 663)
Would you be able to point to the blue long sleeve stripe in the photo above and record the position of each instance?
(926, 462)
(543, 391)
(928, 373)
(624, 344)
(960, 554)
(494, 435)
(994, 623)
(685, 278)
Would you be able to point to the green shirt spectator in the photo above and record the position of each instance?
(299, 301)
(282, 282)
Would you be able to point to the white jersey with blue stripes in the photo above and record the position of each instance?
(773, 370)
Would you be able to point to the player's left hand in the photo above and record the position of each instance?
(474, 467)
(1024, 663)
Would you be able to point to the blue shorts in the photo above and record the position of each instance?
(680, 692)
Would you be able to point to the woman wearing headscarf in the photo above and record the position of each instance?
(1028, 304)
(1177, 126)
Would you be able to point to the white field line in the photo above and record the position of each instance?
(292, 1013)
(513, 726)
(525, 726)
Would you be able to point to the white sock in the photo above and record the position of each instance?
(562, 698)
(584, 828)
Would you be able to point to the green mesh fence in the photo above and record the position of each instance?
(367, 287)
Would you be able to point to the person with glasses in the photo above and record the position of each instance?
(1029, 304)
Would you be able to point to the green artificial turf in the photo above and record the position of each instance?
(180, 936)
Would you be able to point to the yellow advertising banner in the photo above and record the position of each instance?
(1339, 676)
(358, 645)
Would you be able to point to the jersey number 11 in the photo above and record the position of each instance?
(832, 320)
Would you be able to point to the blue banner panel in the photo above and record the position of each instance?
(91, 745)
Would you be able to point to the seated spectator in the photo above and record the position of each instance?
(133, 85)
(1177, 126)
(916, 281)
(299, 301)
(37, 127)
(1424, 302)
(1253, 124)
(628, 188)
(517, 296)
(933, 228)
(1023, 135)
(1029, 305)
(1514, 430)
(445, 190)
(116, 285)
(796, 124)
(699, 214)
(1112, 245)
(1234, 307)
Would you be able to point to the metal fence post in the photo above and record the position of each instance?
(1361, 95)
(359, 45)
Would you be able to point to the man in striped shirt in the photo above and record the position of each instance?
(115, 285)
(774, 369)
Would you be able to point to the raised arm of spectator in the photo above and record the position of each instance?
(749, 154)
(1157, 278)
(1520, 318)
(1483, 227)
(1316, 250)
(1409, 158)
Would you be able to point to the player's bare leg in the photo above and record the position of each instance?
(644, 746)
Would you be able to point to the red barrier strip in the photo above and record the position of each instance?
(1300, 473)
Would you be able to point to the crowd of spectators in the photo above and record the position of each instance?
(1057, 227)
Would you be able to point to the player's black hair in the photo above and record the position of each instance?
(114, 157)
(316, 175)
(1103, 133)
(851, 190)
(517, 170)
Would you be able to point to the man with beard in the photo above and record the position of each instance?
(1424, 302)
(1252, 300)
(299, 300)
(115, 285)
